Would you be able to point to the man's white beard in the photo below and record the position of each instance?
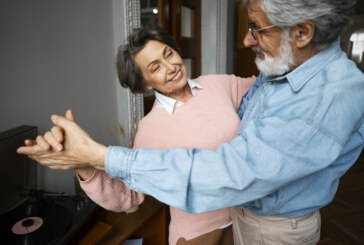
(272, 66)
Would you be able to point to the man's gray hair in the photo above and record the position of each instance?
(329, 16)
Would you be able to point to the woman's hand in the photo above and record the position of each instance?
(52, 139)
(79, 150)
(85, 173)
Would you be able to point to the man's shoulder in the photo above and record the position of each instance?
(333, 72)
(342, 73)
(343, 63)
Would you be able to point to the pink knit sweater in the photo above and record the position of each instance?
(205, 121)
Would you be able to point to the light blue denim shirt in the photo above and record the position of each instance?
(298, 135)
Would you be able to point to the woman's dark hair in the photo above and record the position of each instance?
(129, 73)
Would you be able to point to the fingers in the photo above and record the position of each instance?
(69, 127)
(58, 134)
(29, 150)
(29, 142)
(42, 142)
(61, 121)
(69, 115)
(52, 141)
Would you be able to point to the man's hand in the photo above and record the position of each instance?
(79, 149)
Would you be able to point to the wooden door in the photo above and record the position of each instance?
(182, 18)
(245, 56)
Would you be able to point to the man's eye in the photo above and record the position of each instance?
(170, 54)
(252, 24)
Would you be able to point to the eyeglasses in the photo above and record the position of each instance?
(252, 28)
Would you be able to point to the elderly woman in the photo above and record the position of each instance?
(186, 114)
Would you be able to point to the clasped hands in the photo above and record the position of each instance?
(67, 146)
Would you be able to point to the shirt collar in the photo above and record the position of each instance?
(168, 103)
(303, 73)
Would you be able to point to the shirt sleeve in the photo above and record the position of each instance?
(250, 167)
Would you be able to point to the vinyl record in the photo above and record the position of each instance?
(34, 224)
(27, 225)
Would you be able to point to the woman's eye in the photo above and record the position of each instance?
(170, 54)
(155, 68)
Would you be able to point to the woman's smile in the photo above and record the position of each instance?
(177, 77)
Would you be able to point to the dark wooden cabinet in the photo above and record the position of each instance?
(149, 222)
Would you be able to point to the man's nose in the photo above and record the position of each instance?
(249, 40)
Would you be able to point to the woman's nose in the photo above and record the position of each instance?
(249, 40)
(170, 67)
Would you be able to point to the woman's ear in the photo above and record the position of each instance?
(303, 33)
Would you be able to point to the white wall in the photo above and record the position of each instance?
(218, 36)
(209, 22)
(55, 55)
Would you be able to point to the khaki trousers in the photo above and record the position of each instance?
(217, 237)
(250, 229)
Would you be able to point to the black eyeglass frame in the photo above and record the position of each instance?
(252, 28)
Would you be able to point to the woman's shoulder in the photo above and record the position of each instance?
(214, 77)
(216, 80)
(153, 117)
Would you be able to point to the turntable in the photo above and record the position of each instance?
(36, 221)
(27, 215)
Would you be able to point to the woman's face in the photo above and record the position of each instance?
(162, 68)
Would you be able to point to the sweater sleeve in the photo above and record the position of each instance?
(111, 194)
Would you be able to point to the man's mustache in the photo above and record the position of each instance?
(257, 50)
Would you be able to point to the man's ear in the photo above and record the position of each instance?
(303, 33)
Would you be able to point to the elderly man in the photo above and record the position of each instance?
(302, 128)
